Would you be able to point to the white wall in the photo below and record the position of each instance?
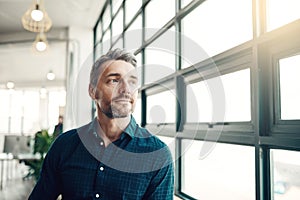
(78, 107)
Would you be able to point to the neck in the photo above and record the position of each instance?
(112, 127)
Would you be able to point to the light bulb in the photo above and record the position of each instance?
(37, 15)
(41, 46)
(10, 85)
(50, 76)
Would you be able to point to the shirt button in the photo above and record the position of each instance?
(101, 168)
(97, 195)
(101, 143)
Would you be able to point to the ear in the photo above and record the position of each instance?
(92, 92)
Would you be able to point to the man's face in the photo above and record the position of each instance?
(116, 90)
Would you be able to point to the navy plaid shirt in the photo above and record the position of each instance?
(78, 166)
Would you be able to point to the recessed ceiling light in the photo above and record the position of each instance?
(10, 85)
(50, 76)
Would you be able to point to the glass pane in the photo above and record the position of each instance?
(98, 50)
(161, 107)
(16, 112)
(280, 13)
(4, 124)
(133, 35)
(99, 32)
(185, 3)
(31, 111)
(228, 172)
(4, 103)
(137, 111)
(16, 107)
(118, 44)
(160, 57)
(116, 5)
(106, 41)
(4, 110)
(106, 18)
(286, 174)
(237, 99)
(218, 25)
(57, 100)
(132, 7)
(16, 125)
(290, 87)
(117, 24)
(158, 13)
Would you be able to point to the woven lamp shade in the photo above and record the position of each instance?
(30, 24)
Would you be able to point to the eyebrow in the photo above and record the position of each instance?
(119, 75)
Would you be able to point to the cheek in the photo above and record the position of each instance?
(103, 95)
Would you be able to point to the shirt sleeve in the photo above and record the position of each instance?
(162, 183)
(48, 184)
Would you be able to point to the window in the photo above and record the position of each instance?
(214, 80)
(33, 113)
(132, 6)
(161, 107)
(160, 57)
(280, 13)
(106, 41)
(106, 18)
(99, 32)
(228, 172)
(202, 106)
(285, 174)
(137, 112)
(133, 35)
(289, 87)
(116, 5)
(117, 24)
(158, 13)
(217, 25)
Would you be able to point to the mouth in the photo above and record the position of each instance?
(121, 100)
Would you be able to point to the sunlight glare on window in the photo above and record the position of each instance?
(161, 107)
(216, 25)
(290, 87)
(228, 169)
(285, 168)
(280, 13)
(237, 98)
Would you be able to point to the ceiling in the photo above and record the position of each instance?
(18, 61)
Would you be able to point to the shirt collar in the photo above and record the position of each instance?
(129, 130)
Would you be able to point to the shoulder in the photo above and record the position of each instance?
(70, 137)
(146, 137)
(67, 138)
(146, 142)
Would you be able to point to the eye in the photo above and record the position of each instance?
(112, 81)
(132, 82)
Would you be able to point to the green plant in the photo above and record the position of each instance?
(42, 142)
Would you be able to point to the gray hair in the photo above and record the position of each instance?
(116, 54)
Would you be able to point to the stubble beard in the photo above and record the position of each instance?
(117, 111)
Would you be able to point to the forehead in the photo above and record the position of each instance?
(119, 67)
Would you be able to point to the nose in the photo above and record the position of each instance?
(124, 87)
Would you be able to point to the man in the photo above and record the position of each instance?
(111, 157)
(58, 129)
